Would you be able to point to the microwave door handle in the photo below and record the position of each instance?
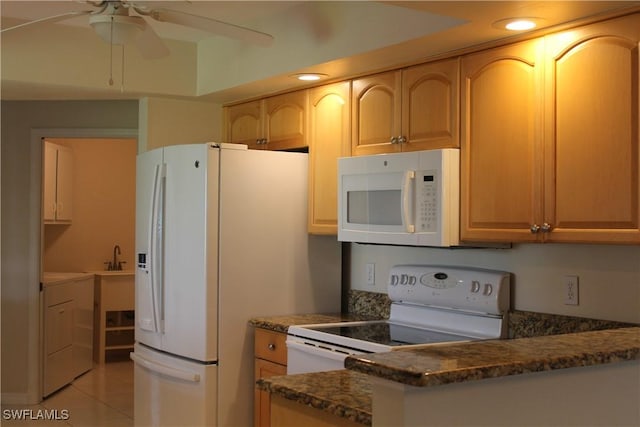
(406, 199)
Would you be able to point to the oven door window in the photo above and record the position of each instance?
(377, 207)
(374, 202)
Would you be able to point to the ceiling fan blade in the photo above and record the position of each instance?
(50, 19)
(212, 25)
(151, 45)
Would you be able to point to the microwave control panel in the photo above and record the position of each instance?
(427, 201)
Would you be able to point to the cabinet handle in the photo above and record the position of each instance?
(535, 228)
(402, 139)
(394, 139)
(546, 227)
(272, 347)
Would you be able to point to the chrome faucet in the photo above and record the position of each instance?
(115, 265)
(116, 252)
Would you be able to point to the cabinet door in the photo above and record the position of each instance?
(49, 182)
(244, 124)
(284, 120)
(64, 194)
(500, 152)
(376, 106)
(430, 106)
(591, 177)
(329, 138)
(265, 369)
(59, 327)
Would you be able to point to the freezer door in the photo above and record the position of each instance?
(169, 391)
(190, 309)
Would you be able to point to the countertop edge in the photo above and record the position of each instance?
(567, 355)
(53, 279)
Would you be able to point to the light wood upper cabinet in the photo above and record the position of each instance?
(57, 202)
(376, 106)
(550, 138)
(407, 110)
(284, 118)
(274, 123)
(329, 139)
(591, 133)
(243, 124)
(500, 180)
(430, 106)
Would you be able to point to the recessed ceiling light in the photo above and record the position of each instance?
(517, 24)
(310, 77)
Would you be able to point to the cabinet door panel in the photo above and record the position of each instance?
(59, 327)
(592, 179)
(285, 121)
(430, 113)
(244, 123)
(376, 104)
(500, 180)
(262, 404)
(49, 186)
(64, 211)
(329, 130)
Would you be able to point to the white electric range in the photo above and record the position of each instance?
(430, 305)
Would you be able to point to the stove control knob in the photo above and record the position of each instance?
(412, 280)
(404, 279)
(488, 289)
(394, 279)
(475, 286)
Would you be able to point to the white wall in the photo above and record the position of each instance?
(20, 244)
(609, 275)
(165, 121)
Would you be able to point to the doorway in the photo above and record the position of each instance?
(103, 207)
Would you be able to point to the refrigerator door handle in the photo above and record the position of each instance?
(157, 248)
(158, 368)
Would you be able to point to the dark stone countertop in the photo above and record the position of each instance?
(470, 361)
(347, 393)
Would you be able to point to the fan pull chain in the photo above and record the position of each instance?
(111, 54)
(122, 75)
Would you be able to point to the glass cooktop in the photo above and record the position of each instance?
(388, 334)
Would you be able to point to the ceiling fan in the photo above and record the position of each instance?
(123, 21)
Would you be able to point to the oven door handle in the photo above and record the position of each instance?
(407, 198)
(315, 349)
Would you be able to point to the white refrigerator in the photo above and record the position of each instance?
(221, 236)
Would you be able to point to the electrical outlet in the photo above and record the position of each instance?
(571, 290)
(371, 274)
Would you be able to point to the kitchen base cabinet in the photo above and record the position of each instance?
(288, 413)
(68, 329)
(603, 395)
(114, 316)
(270, 360)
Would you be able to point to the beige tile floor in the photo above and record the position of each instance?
(103, 397)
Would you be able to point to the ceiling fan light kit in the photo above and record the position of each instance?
(117, 29)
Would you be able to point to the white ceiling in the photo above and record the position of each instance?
(341, 39)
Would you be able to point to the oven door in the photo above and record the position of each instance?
(305, 355)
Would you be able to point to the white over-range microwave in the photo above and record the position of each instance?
(408, 198)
